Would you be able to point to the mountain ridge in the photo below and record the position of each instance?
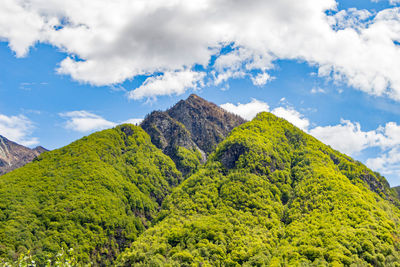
(268, 194)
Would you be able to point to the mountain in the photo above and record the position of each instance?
(268, 194)
(13, 155)
(397, 189)
(94, 196)
(190, 130)
(272, 195)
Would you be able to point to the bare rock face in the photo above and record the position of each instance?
(194, 124)
(13, 155)
(208, 123)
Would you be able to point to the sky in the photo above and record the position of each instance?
(332, 68)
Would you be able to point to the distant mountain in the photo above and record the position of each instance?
(13, 155)
(190, 130)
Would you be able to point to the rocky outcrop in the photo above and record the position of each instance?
(13, 155)
(194, 124)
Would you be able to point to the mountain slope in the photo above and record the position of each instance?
(272, 195)
(95, 196)
(13, 155)
(191, 129)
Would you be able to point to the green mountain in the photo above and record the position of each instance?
(267, 195)
(94, 196)
(271, 195)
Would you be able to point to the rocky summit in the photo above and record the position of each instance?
(191, 128)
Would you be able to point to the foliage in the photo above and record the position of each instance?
(269, 195)
(272, 195)
(187, 160)
(94, 196)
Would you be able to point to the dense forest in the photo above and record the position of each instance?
(268, 195)
(94, 196)
(271, 195)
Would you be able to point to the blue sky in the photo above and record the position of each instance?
(329, 67)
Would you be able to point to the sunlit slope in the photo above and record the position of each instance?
(270, 195)
(95, 196)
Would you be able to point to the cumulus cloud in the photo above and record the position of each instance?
(247, 111)
(18, 129)
(168, 83)
(293, 116)
(108, 42)
(261, 79)
(84, 121)
(346, 137)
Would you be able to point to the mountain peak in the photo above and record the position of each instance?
(193, 124)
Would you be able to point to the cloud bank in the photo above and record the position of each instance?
(109, 42)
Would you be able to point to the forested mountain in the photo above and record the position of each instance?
(13, 155)
(268, 195)
(95, 196)
(271, 195)
(190, 130)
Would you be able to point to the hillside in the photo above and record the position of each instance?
(190, 130)
(94, 196)
(272, 195)
(267, 195)
(13, 155)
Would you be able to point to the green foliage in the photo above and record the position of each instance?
(271, 195)
(187, 161)
(94, 196)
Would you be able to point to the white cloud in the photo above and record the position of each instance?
(133, 121)
(347, 137)
(109, 42)
(316, 90)
(386, 163)
(247, 111)
(168, 83)
(293, 116)
(18, 129)
(261, 79)
(84, 121)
